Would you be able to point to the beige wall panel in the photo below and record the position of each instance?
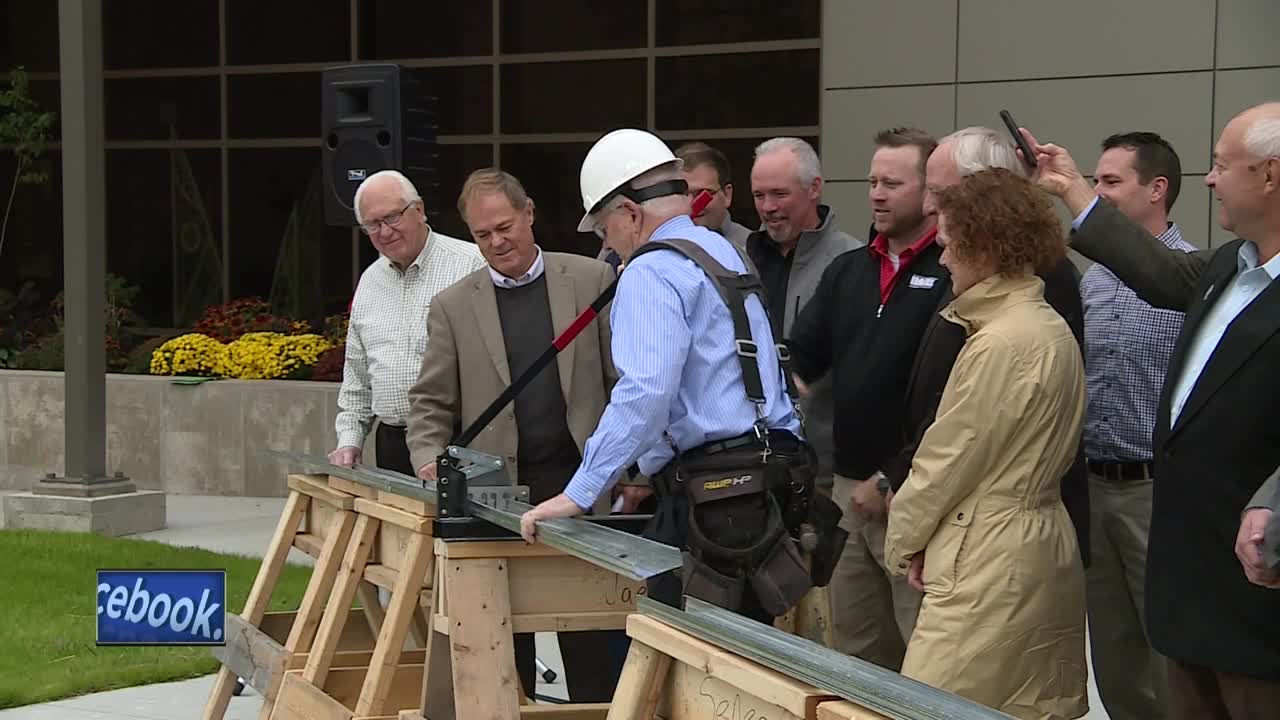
(876, 44)
(1012, 39)
(1067, 111)
(850, 118)
(1247, 33)
(849, 200)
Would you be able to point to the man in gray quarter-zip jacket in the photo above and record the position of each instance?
(798, 238)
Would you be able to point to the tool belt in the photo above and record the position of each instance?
(743, 508)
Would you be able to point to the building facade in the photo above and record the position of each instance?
(213, 109)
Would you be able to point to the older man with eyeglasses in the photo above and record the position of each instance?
(387, 333)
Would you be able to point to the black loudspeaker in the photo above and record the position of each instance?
(375, 117)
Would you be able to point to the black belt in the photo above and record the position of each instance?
(782, 440)
(389, 426)
(1121, 470)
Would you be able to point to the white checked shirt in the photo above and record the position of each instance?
(387, 335)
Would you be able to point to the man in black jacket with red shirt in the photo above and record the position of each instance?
(864, 325)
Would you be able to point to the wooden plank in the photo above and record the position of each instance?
(565, 585)
(300, 700)
(309, 543)
(845, 710)
(320, 585)
(339, 605)
(345, 685)
(764, 684)
(691, 694)
(385, 578)
(355, 636)
(419, 626)
(393, 544)
(813, 617)
(252, 654)
(512, 548)
(317, 486)
(394, 516)
(357, 659)
(260, 594)
(577, 711)
(640, 686)
(485, 683)
(370, 604)
(437, 676)
(554, 622)
(352, 488)
(405, 601)
(412, 505)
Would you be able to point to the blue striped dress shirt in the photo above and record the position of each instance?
(680, 375)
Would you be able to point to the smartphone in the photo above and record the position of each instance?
(1028, 156)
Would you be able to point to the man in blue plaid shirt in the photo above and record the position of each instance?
(1127, 349)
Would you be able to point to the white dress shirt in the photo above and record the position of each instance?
(533, 273)
(1243, 288)
(387, 334)
(1247, 284)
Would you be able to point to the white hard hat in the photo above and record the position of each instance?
(615, 160)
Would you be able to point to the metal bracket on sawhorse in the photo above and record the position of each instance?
(464, 475)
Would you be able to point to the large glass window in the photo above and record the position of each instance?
(139, 34)
(700, 22)
(201, 209)
(164, 228)
(288, 31)
(464, 97)
(566, 25)
(29, 35)
(573, 96)
(283, 105)
(550, 174)
(766, 89)
(162, 108)
(280, 247)
(397, 29)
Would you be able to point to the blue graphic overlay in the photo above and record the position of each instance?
(161, 607)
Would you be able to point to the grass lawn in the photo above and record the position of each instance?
(48, 611)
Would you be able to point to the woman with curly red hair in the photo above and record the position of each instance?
(979, 526)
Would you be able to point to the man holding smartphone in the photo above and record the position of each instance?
(1215, 441)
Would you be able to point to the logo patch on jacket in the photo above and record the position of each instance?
(923, 282)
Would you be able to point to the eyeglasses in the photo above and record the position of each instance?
(391, 220)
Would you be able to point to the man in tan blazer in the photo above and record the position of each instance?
(485, 330)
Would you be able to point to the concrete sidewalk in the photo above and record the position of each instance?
(243, 526)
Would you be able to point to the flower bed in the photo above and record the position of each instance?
(243, 340)
(252, 356)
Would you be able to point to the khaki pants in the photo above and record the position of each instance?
(1132, 678)
(873, 614)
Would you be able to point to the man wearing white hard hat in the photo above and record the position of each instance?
(702, 392)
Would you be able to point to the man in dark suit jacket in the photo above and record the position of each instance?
(1216, 440)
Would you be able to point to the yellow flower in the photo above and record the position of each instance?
(190, 354)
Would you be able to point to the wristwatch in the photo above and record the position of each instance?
(882, 482)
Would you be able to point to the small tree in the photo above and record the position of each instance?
(25, 128)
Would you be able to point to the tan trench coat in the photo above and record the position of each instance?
(1002, 621)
